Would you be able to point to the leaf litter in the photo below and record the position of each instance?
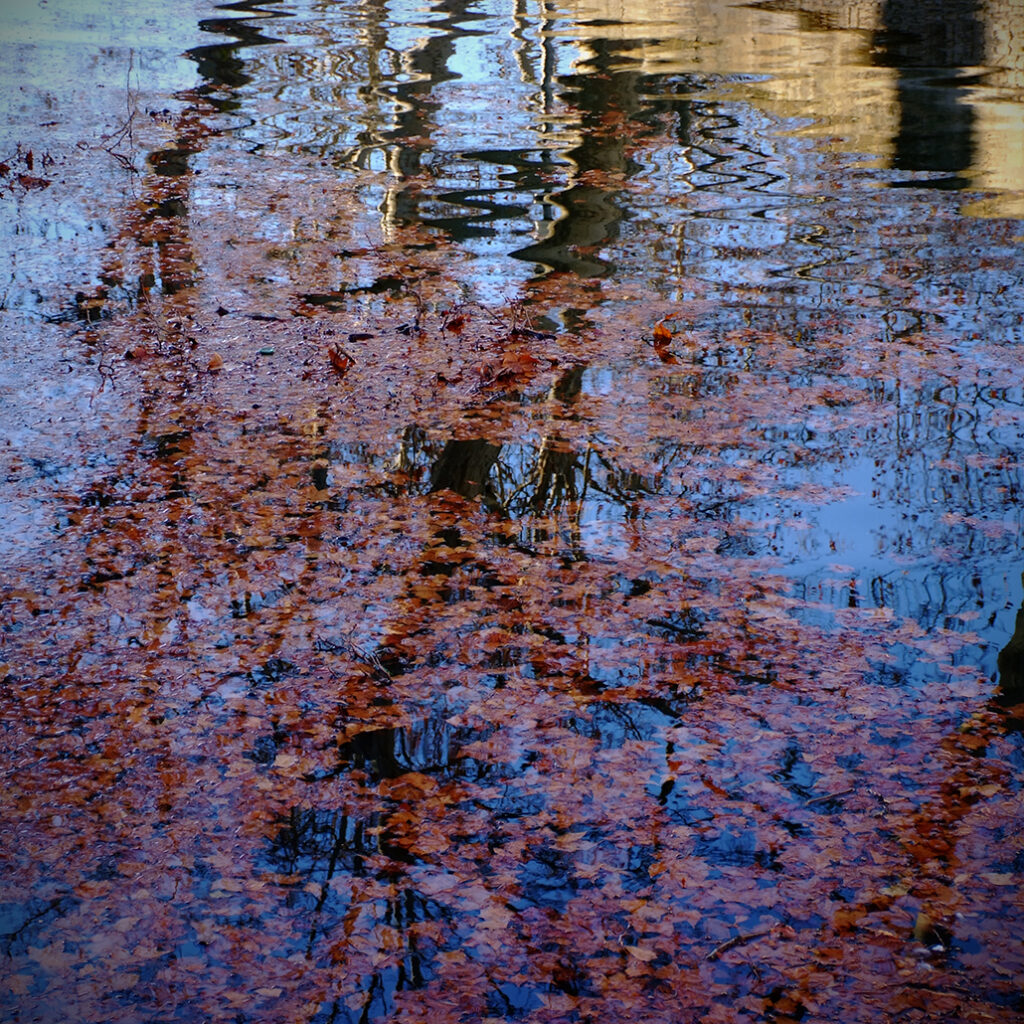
(448, 663)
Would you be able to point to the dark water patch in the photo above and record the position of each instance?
(447, 569)
(513, 1002)
(338, 300)
(682, 625)
(272, 672)
(795, 774)
(547, 879)
(266, 748)
(249, 603)
(169, 209)
(172, 163)
(169, 445)
(318, 845)
(24, 924)
(430, 746)
(728, 847)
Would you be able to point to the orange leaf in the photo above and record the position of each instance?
(662, 338)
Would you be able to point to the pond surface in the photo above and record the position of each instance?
(511, 511)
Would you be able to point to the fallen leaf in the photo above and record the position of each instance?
(28, 181)
(646, 955)
(341, 361)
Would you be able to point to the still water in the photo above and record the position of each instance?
(510, 510)
(802, 169)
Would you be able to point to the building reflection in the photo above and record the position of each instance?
(952, 63)
(936, 123)
(576, 84)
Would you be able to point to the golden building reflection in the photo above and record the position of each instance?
(932, 87)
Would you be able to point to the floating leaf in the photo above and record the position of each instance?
(646, 955)
(662, 334)
(341, 361)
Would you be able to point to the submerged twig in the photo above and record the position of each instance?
(825, 797)
(348, 646)
(736, 940)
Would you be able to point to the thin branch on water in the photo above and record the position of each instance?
(736, 940)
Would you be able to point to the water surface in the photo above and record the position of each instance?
(511, 510)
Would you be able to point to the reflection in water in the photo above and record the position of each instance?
(434, 98)
(222, 66)
(431, 746)
(547, 481)
(1011, 661)
(927, 44)
(646, 627)
(465, 467)
(586, 216)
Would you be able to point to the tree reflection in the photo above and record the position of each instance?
(465, 467)
(1011, 661)
(222, 64)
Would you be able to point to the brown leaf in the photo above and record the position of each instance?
(341, 361)
(28, 181)
(662, 340)
(646, 955)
